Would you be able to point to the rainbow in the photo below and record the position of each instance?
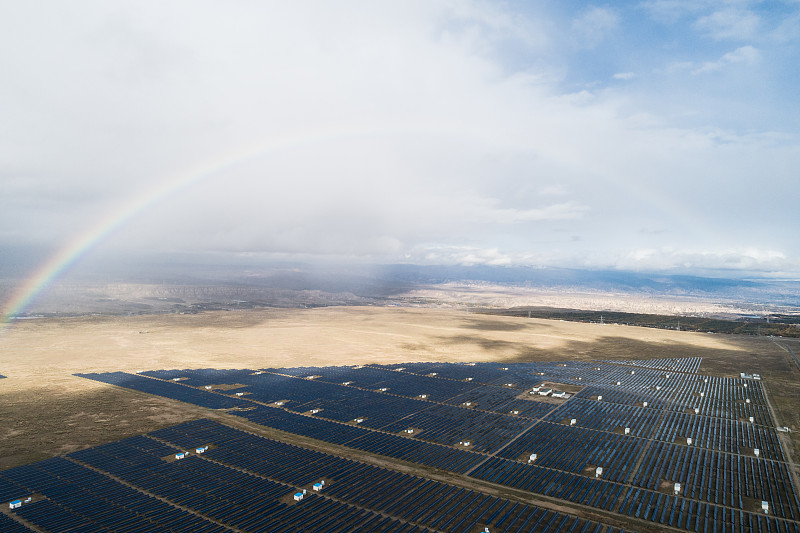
(67, 256)
(60, 262)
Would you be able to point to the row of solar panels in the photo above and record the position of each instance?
(246, 482)
(380, 409)
(570, 450)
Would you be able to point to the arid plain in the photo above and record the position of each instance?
(48, 411)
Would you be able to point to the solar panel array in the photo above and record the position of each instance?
(245, 482)
(648, 425)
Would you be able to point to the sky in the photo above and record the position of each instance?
(655, 135)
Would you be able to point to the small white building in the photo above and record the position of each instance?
(747, 400)
(545, 392)
(751, 419)
(598, 472)
(677, 488)
(688, 441)
(298, 496)
(239, 394)
(697, 410)
(346, 382)
(358, 420)
(314, 411)
(627, 431)
(383, 389)
(469, 379)
(765, 507)
(572, 422)
(559, 394)
(756, 452)
(423, 396)
(644, 404)
(180, 455)
(409, 431)
(279, 403)
(533, 457)
(514, 412)
(600, 398)
(200, 450)
(318, 486)
(16, 504)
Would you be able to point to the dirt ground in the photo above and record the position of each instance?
(47, 411)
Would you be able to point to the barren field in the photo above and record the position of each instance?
(47, 411)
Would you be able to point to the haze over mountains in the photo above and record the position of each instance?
(191, 283)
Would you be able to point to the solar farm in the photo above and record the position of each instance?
(596, 446)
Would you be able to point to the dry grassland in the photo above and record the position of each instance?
(47, 411)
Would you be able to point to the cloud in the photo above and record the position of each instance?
(594, 25)
(742, 259)
(380, 130)
(745, 55)
(788, 30)
(730, 24)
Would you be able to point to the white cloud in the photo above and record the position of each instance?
(553, 190)
(745, 55)
(594, 25)
(736, 259)
(624, 76)
(730, 24)
(374, 130)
